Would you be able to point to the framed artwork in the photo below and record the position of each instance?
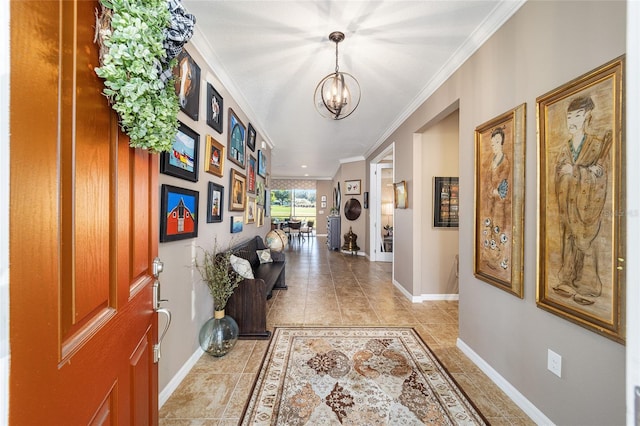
(215, 109)
(445, 202)
(182, 160)
(499, 201)
(238, 190)
(400, 195)
(251, 138)
(323, 204)
(250, 211)
(187, 84)
(236, 224)
(581, 240)
(323, 198)
(215, 203)
(352, 187)
(214, 157)
(178, 213)
(262, 164)
(260, 217)
(236, 144)
(267, 202)
(260, 193)
(251, 175)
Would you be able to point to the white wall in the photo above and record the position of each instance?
(544, 45)
(633, 207)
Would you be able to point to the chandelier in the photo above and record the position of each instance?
(338, 94)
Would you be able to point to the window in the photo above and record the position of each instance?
(296, 203)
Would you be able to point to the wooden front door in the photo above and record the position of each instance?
(83, 233)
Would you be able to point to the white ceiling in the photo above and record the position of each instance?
(270, 55)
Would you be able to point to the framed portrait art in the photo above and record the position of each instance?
(262, 164)
(251, 138)
(236, 143)
(238, 190)
(499, 201)
(215, 203)
(182, 160)
(178, 213)
(187, 84)
(400, 195)
(581, 240)
(214, 157)
(215, 109)
(352, 187)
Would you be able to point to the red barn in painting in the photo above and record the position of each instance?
(179, 220)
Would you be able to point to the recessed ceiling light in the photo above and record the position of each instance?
(304, 166)
(306, 174)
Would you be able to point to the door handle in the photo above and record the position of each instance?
(156, 348)
(158, 267)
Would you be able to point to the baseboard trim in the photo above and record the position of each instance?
(424, 297)
(179, 377)
(520, 400)
(357, 253)
(427, 297)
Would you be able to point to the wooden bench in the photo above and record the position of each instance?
(248, 304)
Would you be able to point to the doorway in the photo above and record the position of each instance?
(382, 207)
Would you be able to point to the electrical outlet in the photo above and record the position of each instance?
(554, 363)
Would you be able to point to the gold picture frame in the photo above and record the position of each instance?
(498, 255)
(238, 185)
(250, 213)
(400, 195)
(214, 162)
(581, 247)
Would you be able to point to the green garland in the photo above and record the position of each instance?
(131, 38)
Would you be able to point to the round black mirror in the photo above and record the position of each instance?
(352, 209)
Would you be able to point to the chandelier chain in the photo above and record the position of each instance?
(337, 68)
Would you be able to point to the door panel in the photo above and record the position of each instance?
(83, 233)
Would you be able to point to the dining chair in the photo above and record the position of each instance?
(294, 228)
(308, 228)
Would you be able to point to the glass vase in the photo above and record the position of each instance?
(219, 334)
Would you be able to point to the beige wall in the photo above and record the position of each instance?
(544, 45)
(353, 171)
(188, 297)
(437, 257)
(323, 188)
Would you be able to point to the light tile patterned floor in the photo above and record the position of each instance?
(331, 288)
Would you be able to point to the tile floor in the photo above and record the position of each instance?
(331, 288)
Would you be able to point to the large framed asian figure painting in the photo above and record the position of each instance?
(499, 201)
(582, 201)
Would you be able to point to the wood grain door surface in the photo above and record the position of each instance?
(83, 233)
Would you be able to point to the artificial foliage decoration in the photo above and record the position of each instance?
(131, 36)
(217, 273)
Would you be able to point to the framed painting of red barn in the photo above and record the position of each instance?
(178, 213)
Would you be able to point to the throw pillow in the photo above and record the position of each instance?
(241, 266)
(264, 256)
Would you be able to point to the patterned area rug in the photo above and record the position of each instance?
(355, 376)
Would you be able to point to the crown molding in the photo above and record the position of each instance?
(218, 70)
(498, 16)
